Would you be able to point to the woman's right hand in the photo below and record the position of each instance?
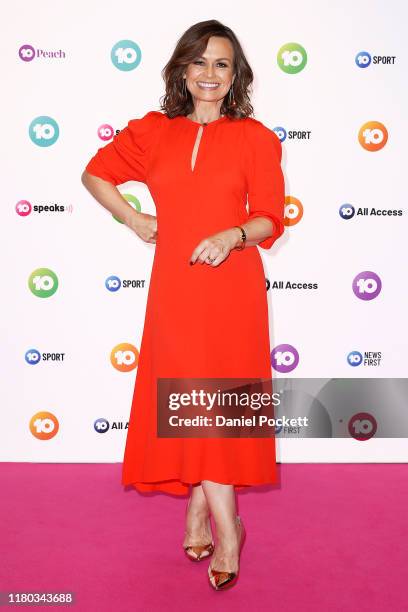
(144, 225)
(110, 197)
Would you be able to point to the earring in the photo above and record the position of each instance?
(232, 101)
(184, 87)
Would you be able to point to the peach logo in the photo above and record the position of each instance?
(124, 357)
(293, 211)
(373, 136)
(44, 425)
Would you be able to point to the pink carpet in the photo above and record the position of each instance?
(332, 537)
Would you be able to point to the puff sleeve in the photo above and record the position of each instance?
(126, 157)
(266, 187)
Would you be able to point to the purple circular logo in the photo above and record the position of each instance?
(367, 285)
(26, 53)
(284, 358)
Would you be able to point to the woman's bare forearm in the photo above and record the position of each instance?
(109, 196)
(256, 230)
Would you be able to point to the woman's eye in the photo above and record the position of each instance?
(201, 62)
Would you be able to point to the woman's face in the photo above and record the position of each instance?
(214, 67)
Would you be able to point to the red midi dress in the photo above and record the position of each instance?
(200, 320)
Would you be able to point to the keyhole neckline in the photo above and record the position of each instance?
(206, 125)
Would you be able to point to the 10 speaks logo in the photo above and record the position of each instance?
(373, 136)
(43, 131)
(292, 58)
(43, 282)
(105, 132)
(367, 285)
(44, 425)
(284, 358)
(126, 55)
(124, 357)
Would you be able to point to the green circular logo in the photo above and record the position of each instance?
(133, 201)
(292, 58)
(43, 282)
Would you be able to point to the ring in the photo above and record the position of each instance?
(209, 259)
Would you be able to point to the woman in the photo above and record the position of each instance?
(206, 313)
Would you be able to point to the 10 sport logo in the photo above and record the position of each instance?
(364, 59)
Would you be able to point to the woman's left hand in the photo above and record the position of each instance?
(216, 248)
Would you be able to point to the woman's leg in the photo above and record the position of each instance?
(222, 505)
(198, 526)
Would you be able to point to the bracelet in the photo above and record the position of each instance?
(243, 238)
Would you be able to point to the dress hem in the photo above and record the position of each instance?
(175, 486)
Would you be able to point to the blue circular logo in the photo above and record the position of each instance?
(281, 133)
(363, 59)
(32, 356)
(354, 358)
(113, 283)
(43, 131)
(101, 426)
(126, 55)
(347, 211)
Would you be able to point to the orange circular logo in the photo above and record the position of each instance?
(293, 210)
(373, 136)
(44, 425)
(124, 357)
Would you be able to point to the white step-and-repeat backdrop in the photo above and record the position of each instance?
(330, 79)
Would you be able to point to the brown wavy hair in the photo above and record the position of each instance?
(192, 44)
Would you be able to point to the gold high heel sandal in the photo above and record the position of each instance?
(198, 551)
(221, 580)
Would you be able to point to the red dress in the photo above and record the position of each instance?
(200, 321)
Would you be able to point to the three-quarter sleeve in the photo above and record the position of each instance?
(266, 186)
(126, 157)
